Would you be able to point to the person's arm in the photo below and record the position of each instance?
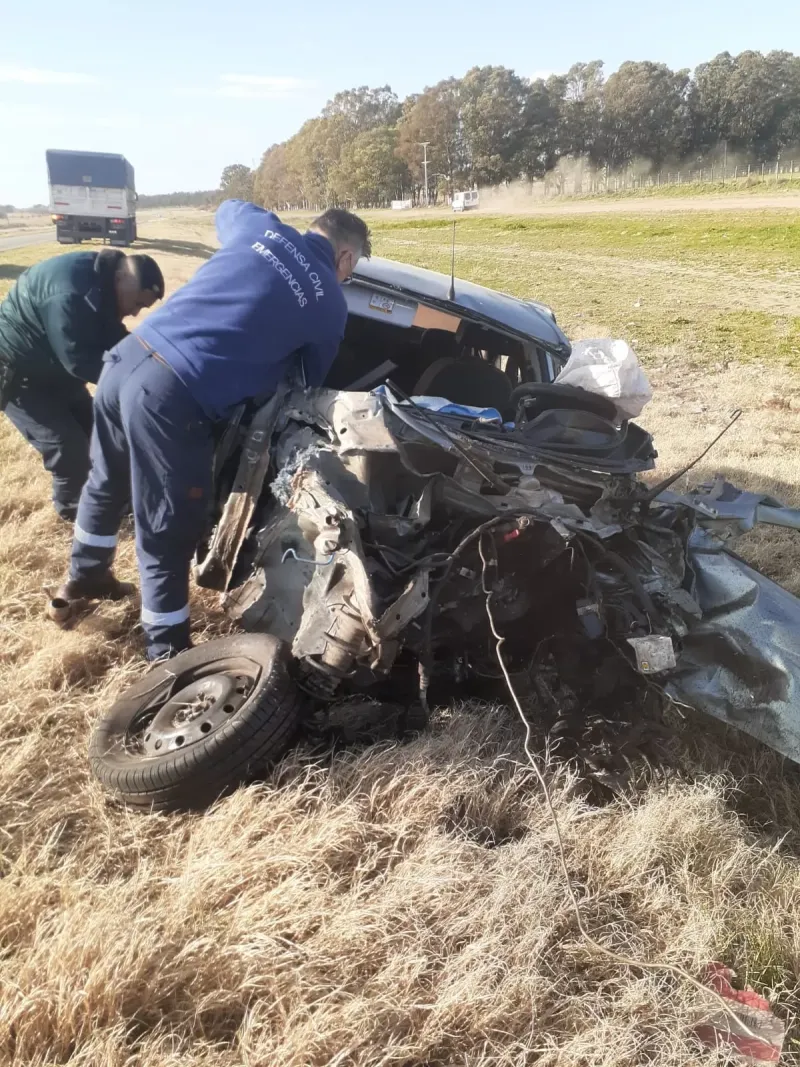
(72, 329)
(318, 356)
(234, 215)
(317, 360)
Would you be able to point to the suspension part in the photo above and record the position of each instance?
(345, 640)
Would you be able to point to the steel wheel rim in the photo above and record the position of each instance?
(190, 708)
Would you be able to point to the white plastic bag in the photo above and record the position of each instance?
(610, 368)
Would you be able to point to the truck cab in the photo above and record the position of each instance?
(92, 195)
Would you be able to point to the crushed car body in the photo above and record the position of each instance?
(449, 484)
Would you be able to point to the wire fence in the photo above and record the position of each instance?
(603, 182)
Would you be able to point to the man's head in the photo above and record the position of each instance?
(139, 283)
(349, 236)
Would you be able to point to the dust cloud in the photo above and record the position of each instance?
(579, 177)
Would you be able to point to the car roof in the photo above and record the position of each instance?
(521, 316)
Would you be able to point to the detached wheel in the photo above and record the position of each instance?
(199, 725)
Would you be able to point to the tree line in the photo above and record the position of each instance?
(493, 126)
(202, 198)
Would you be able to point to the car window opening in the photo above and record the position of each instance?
(475, 365)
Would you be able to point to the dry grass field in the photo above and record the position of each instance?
(403, 904)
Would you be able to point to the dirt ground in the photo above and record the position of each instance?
(20, 222)
(398, 905)
(656, 205)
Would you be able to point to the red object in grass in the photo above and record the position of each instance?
(749, 1012)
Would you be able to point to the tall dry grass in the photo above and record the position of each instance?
(396, 905)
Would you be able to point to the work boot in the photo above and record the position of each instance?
(100, 586)
(67, 512)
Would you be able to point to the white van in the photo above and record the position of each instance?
(465, 201)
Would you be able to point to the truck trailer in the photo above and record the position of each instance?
(92, 194)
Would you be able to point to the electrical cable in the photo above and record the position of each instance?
(616, 957)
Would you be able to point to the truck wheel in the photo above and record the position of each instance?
(197, 726)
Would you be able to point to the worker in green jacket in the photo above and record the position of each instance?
(56, 323)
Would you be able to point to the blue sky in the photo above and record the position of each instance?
(182, 88)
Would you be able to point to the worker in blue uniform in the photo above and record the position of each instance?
(270, 297)
(59, 318)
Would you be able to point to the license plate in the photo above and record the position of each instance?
(381, 303)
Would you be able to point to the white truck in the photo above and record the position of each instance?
(465, 201)
(92, 194)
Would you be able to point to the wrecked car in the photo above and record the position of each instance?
(447, 514)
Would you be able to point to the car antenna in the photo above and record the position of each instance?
(452, 294)
(657, 490)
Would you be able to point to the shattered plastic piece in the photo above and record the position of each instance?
(610, 368)
(591, 620)
(751, 1012)
(604, 532)
(654, 654)
(686, 602)
(561, 529)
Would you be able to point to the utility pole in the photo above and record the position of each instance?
(424, 146)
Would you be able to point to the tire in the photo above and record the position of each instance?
(197, 726)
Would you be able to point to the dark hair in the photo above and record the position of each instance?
(344, 228)
(148, 273)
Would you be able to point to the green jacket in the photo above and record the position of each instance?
(59, 318)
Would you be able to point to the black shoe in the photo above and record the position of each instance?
(102, 586)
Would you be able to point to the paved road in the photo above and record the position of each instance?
(42, 237)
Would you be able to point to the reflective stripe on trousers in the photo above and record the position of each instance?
(150, 439)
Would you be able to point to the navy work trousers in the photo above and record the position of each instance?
(58, 423)
(152, 443)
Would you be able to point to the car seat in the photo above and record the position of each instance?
(465, 381)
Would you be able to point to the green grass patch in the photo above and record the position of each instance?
(674, 285)
(15, 260)
(752, 238)
(753, 185)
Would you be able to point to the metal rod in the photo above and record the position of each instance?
(290, 553)
(658, 489)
